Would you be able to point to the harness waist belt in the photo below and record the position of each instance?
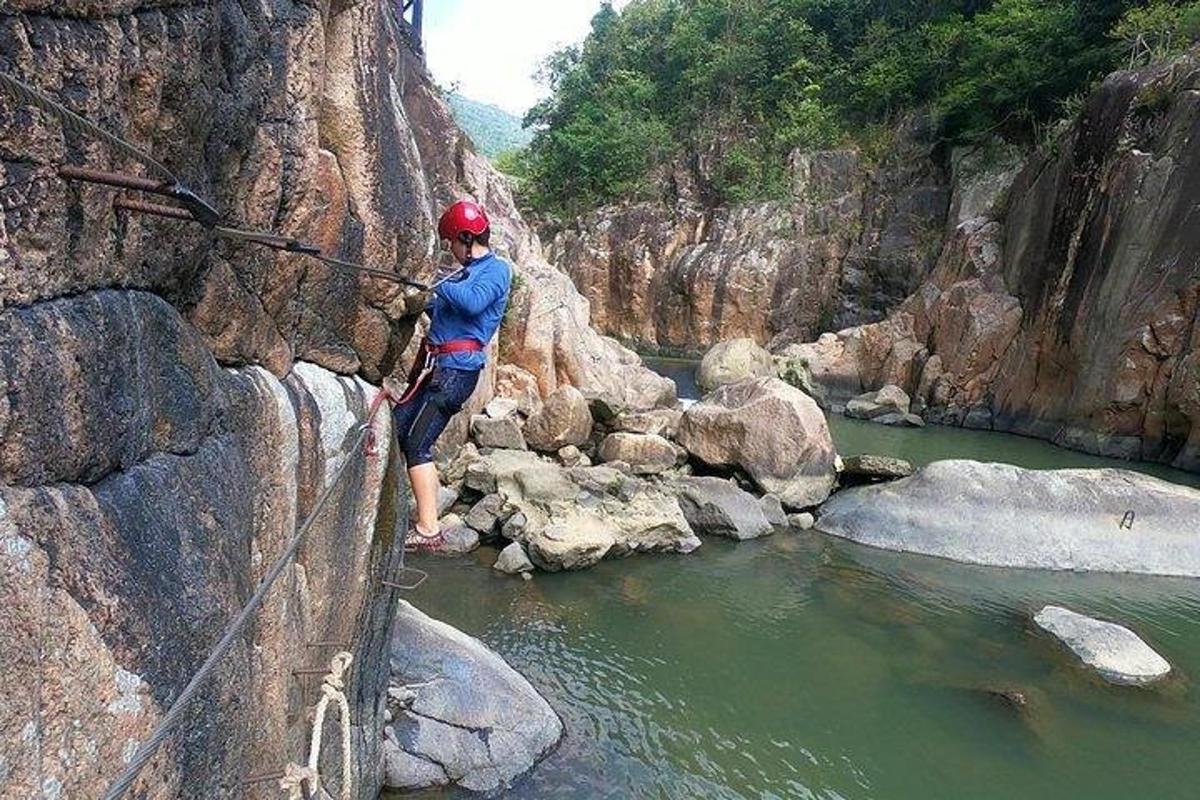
(455, 346)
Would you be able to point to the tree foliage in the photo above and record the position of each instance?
(734, 86)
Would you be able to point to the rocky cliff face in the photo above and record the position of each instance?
(1072, 311)
(174, 403)
(853, 239)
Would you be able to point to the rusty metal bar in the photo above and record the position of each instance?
(156, 209)
(73, 173)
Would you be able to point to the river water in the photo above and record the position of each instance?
(801, 666)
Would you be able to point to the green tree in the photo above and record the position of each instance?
(1158, 30)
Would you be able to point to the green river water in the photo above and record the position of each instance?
(802, 666)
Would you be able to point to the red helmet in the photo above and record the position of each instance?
(464, 216)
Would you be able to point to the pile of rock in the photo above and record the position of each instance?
(576, 479)
(888, 406)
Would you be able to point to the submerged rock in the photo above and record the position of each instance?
(513, 560)
(474, 721)
(774, 432)
(732, 361)
(1116, 653)
(1106, 520)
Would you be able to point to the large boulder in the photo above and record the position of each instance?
(1116, 653)
(564, 419)
(645, 453)
(772, 431)
(1106, 520)
(718, 507)
(466, 718)
(732, 361)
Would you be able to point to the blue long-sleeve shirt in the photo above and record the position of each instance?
(470, 306)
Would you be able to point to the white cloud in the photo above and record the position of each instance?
(491, 48)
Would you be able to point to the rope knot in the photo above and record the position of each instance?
(294, 777)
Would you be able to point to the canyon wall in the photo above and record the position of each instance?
(1070, 310)
(854, 237)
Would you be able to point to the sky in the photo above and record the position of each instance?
(491, 48)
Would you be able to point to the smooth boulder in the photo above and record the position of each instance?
(467, 719)
(1116, 653)
(732, 361)
(1104, 520)
(773, 431)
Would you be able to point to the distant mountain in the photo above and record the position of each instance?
(491, 128)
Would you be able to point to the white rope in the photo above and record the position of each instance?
(332, 689)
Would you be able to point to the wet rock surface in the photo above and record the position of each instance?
(468, 719)
(1103, 520)
(1117, 654)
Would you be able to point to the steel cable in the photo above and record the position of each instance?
(73, 122)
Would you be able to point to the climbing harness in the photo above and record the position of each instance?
(426, 361)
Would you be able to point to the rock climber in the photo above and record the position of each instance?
(465, 312)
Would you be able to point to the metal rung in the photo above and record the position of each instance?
(408, 587)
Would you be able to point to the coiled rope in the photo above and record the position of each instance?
(332, 690)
